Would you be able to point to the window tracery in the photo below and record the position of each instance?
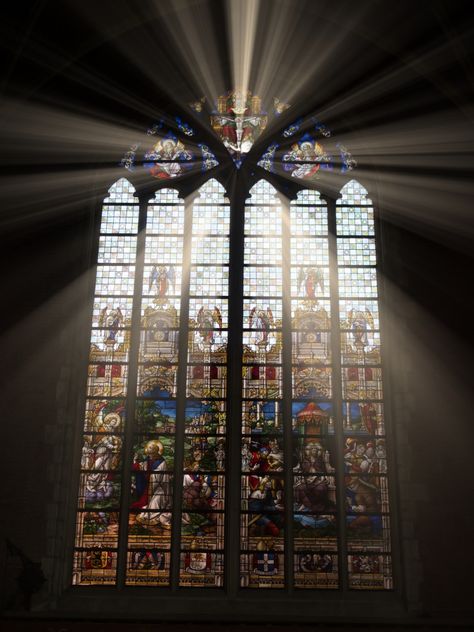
(312, 479)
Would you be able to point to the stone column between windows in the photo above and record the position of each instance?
(287, 389)
(337, 391)
(125, 492)
(234, 390)
(181, 394)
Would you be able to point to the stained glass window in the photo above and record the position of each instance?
(101, 478)
(312, 479)
(151, 505)
(262, 484)
(315, 543)
(203, 504)
(367, 527)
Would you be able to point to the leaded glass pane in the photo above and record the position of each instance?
(152, 469)
(262, 491)
(97, 520)
(205, 444)
(365, 457)
(314, 447)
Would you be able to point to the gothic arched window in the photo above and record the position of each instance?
(234, 427)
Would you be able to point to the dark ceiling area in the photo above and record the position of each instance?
(394, 80)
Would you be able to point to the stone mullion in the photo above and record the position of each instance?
(337, 393)
(234, 392)
(125, 492)
(181, 395)
(287, 391)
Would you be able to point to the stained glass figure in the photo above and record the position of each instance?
(310, 155)
(198, 105)
(321, 128)
(305, 158)
(168, 158)
(209, 161)
(238, 121)
(267, 159)
(171, 155)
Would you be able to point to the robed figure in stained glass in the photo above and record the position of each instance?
(153, 486)
(311, 279)
(162, 278)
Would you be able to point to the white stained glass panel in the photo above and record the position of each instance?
(114, 249)
(358, 251)
(262, 281)
(119, 220)
(355, 220)
(211, 219)
(210, 249)
(308, 221)
(122, 192)
(263, 250)
(357, 282)
(164, 249)
(166, 218)
(209, 281)
(307, 252)
(299, 285)
(115, 280)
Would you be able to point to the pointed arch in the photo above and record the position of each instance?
(263, 190)
(122, 191)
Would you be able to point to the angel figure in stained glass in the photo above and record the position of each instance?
(101, 456)
(311, 278)
(263, 320)
(309, 153)
(162, 277)
(207, 319)
(110, 321)
(359, 322)
(167, 156)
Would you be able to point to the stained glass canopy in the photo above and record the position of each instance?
(301, 149)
